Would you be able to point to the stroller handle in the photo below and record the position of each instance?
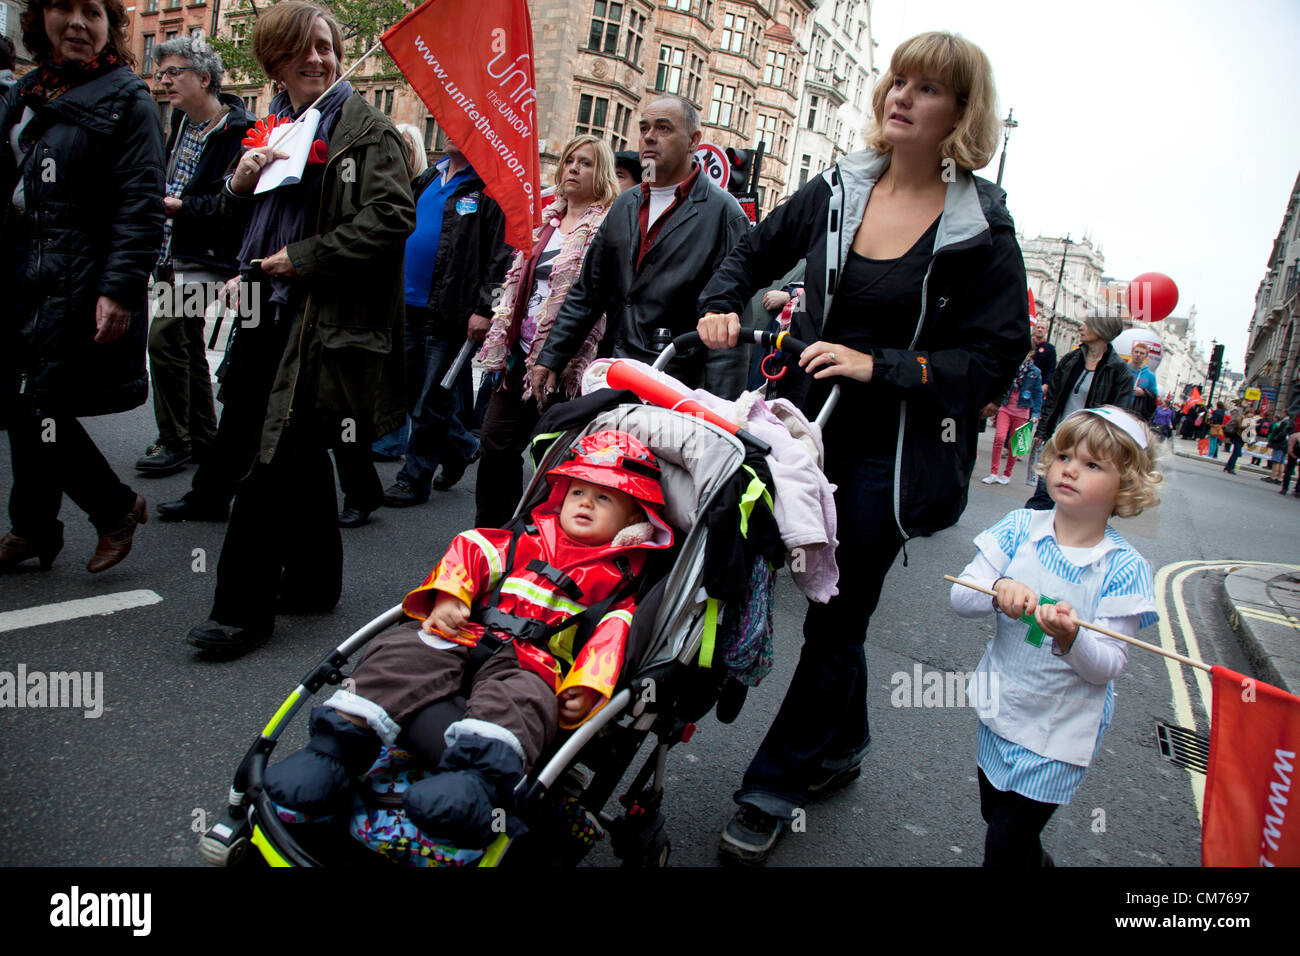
(783, 341)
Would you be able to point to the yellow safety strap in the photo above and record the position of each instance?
(710, 632)
(757, 489)
(269, 852)
(495, 850)
(549, 436)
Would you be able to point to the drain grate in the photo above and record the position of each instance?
(1183, 747)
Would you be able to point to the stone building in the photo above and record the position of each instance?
(1273, 347)
(1081, 289)
(11, 15)
(835, 97)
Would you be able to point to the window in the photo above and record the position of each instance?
(618, 132)
(813, 103)
(388, 102)
(151, 6)
(430, 130)
(742, 116)
(668, 79)
(379, 99)
(605, 18)
(196, 33)
(733, 33)
(804, 163)
(635, 31)
(173, 4)
(172, 34)
(591, 114)
(697, 68)
(724, 99)
(774, 69)
(147, 64)
(250, 104)
(755, 37)
(765, 132)
(683, 5)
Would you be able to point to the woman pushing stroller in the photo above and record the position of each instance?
(502, 612)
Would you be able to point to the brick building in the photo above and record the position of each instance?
(744, 64)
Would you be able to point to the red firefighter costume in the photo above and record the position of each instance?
(476, 559)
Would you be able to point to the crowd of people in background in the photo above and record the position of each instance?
(368, 291)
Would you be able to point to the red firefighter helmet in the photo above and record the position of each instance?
(615, 460)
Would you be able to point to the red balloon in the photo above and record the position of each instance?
(1152, 296)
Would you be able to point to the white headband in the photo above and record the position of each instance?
(1126, 422)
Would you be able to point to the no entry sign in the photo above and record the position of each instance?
(715, 163)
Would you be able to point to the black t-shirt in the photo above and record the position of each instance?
(877, 305)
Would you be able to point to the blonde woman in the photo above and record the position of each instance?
(915, 302)
(534, 290)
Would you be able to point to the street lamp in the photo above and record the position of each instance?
(1009, 124)
(1065, 251)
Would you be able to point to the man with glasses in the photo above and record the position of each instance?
(198, 252)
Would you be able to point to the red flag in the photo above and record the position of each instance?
(471, 61)
(1192, 400)
(1252, 794)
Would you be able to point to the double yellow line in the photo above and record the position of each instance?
(1170, 581)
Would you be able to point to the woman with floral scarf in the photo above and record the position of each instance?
(522, 320)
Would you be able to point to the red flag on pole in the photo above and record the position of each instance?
(1252, 795)
(1192, 400)
(471, 61)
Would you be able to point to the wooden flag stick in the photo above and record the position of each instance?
(316, 102)
(1100, 630)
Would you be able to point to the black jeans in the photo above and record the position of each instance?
(1236, 453)
(253, 359)
(507, 426)
(822, 724)
(1015, 823)
(53, 456)
(283, 537)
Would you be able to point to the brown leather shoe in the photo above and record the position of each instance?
(15, 550)
(116, 544)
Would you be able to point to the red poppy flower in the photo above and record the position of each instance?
(260, 133)
(318, 152)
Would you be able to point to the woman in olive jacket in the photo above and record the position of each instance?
(326, 258)
(81, 182)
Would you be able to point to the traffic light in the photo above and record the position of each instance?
(1216, 364)
(742, 161)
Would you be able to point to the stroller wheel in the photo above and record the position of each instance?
(226, 842)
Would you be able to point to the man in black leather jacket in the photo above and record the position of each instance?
(655, 251)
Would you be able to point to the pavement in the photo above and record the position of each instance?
(1262, 601)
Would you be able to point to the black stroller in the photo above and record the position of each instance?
(668, 682)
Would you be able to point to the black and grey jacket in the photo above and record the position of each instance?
(969, 339)
(1112, 384)
(204, 232)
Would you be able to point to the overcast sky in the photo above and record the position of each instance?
(1169, 131)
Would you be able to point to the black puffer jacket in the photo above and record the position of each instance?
(201, 234)
(94, 194)
(472, 256)
(1112, 384)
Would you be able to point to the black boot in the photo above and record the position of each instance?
(467, 801)
(318, 780)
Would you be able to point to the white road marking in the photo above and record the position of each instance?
(71, 610)
(1181, 698)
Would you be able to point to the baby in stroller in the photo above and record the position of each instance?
(523, 617)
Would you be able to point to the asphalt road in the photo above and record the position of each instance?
(132, 785)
